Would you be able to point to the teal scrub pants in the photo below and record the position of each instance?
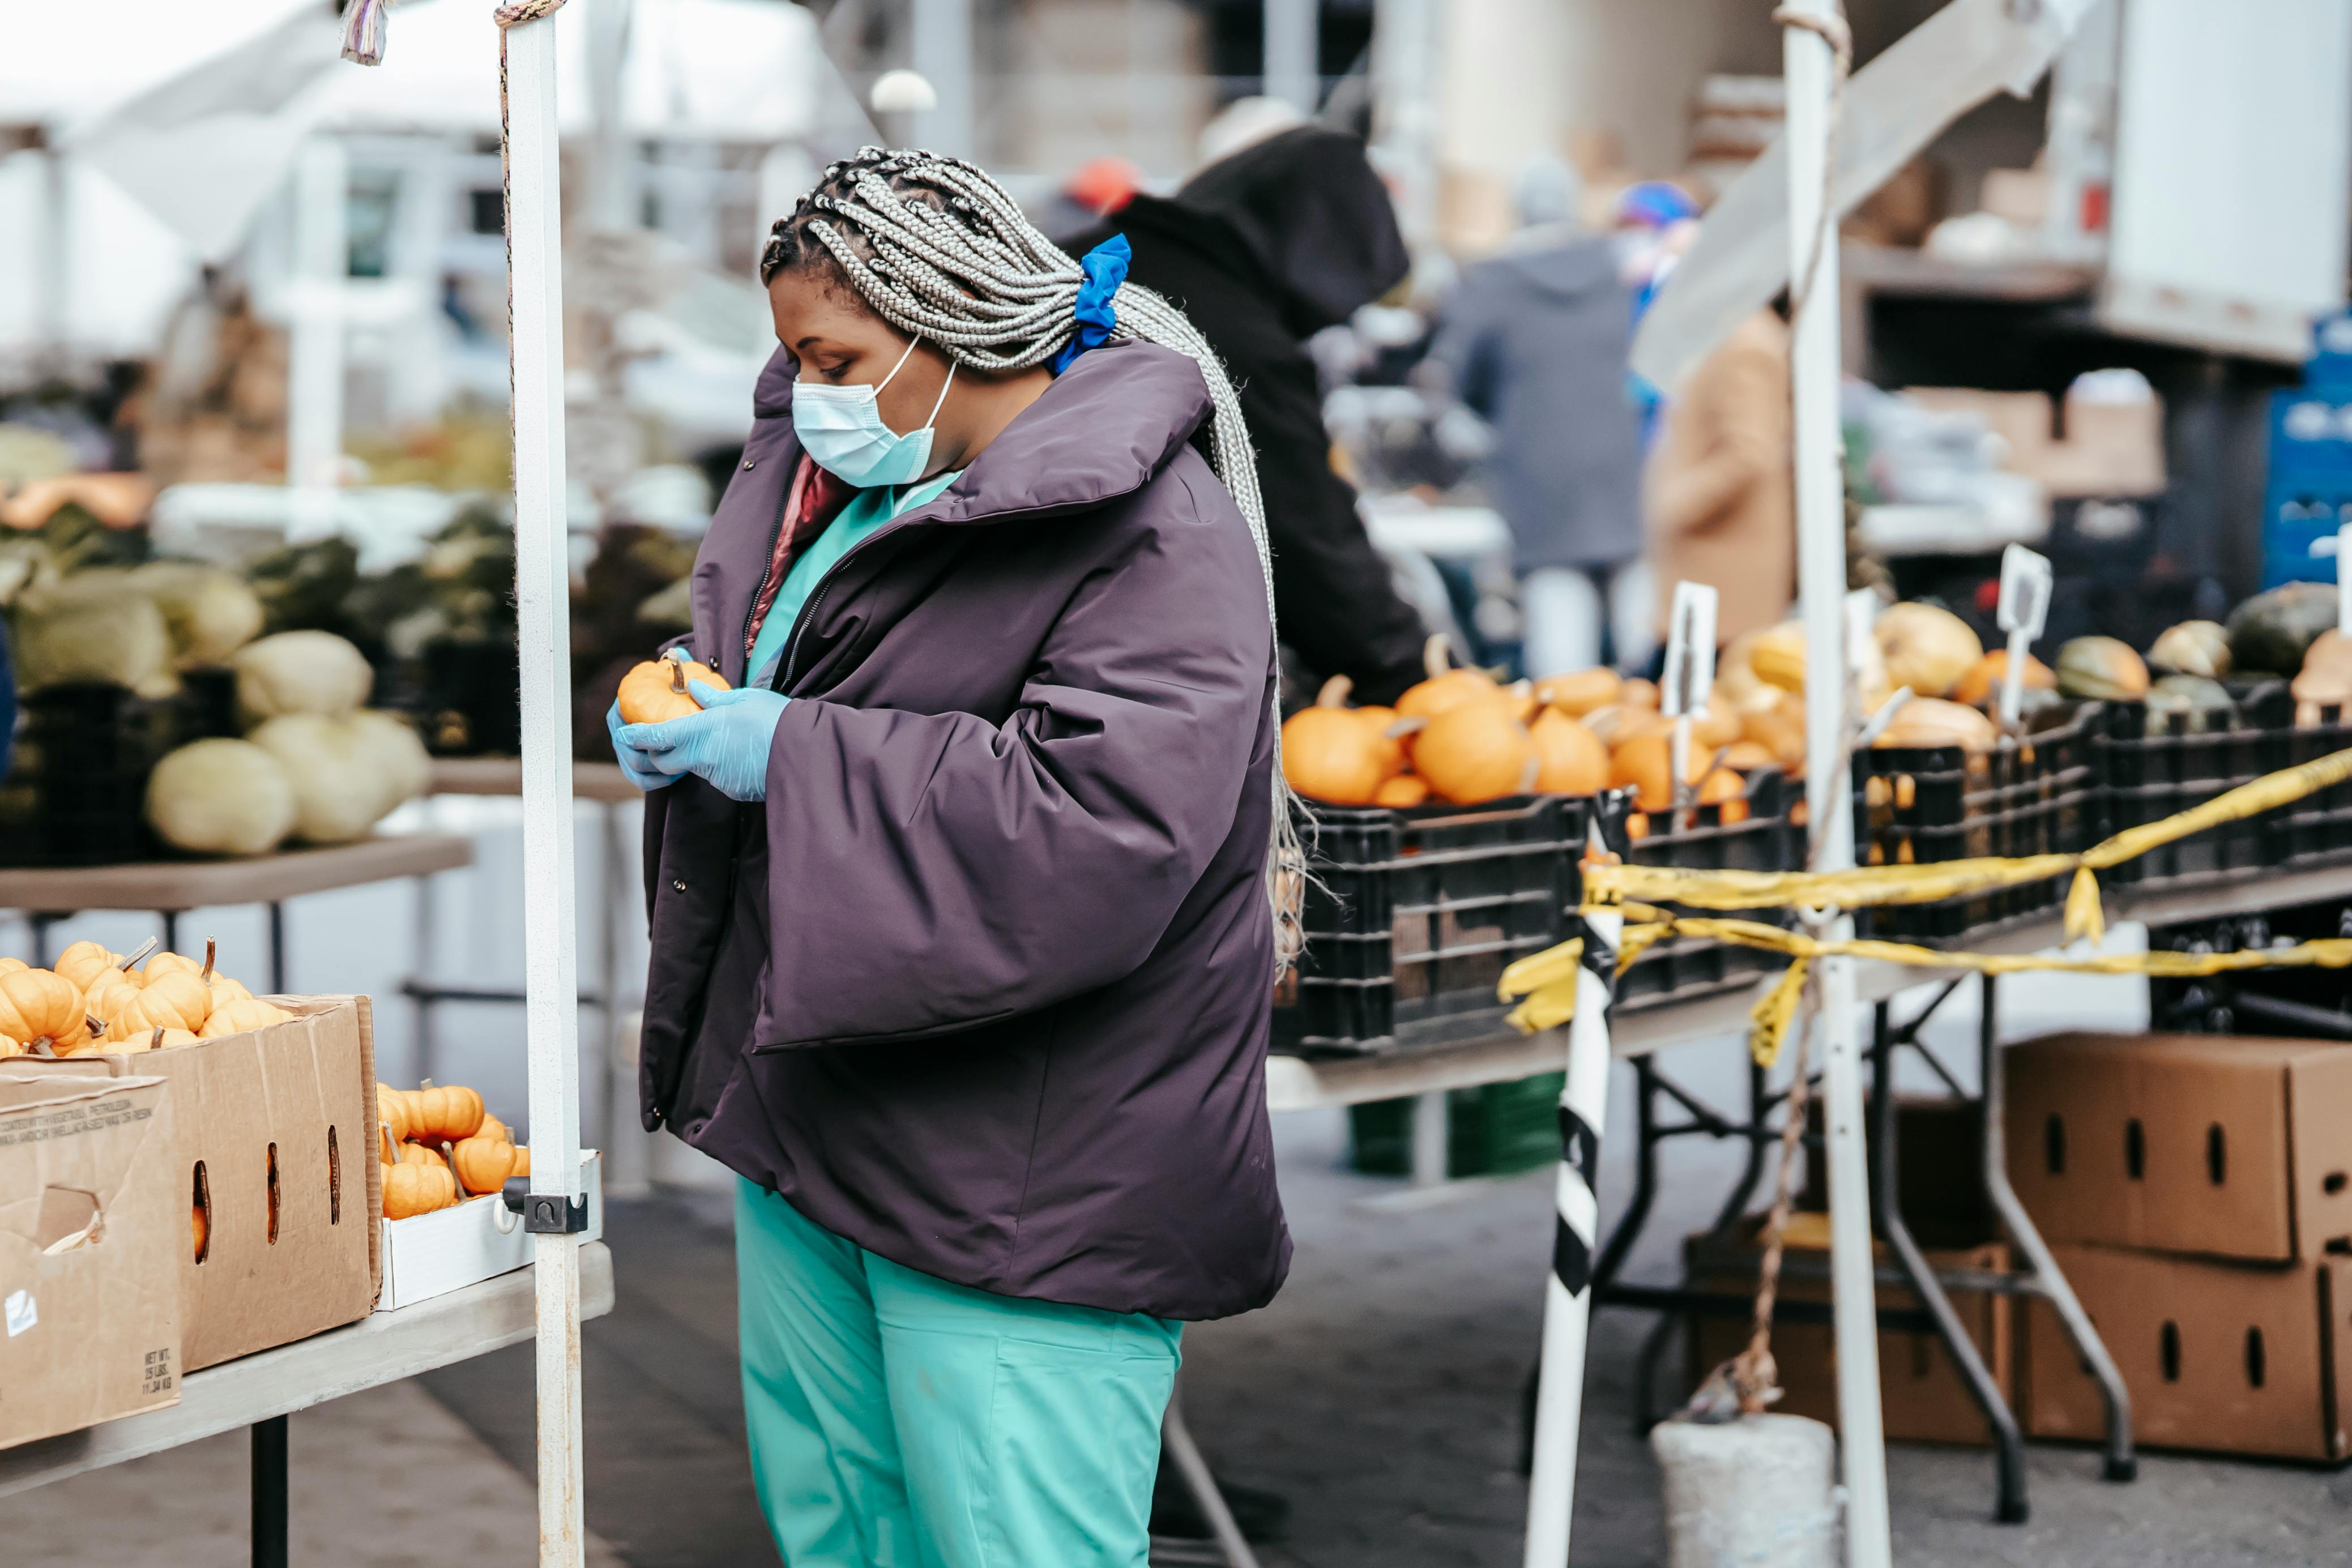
(899, 1421)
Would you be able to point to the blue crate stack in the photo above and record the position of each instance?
(2309, 492)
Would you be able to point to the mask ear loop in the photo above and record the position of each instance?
(933, 418)
(901, 365)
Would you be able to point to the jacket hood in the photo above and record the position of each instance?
(1305, 208)
(1566, 269)
(1103, 429)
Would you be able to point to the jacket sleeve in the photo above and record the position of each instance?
(1338, 608)
(1736, 446)
(931, 872)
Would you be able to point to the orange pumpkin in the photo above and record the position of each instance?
(1404, 789)
(1645, 764)
(522, 1165)
(1573, 761)
(236, 1018)
(109, 993)
(418, 1154)
(1639, 693)
(1779, 730)
(1446, 687)
(1727, 791)
(1620, 722)
(42, 1005)
(656, 690)
(392, 1111)
(83, 962)
(10, 965)
(411, 1189)
(1579, 693)
(201, 1227)
(1715, 727)
(164, 963)
(1336, 754)
(444, 1114)
(1476, 752)
(1982, 684)
(173, 999)
(482, 1164)
(1747, 756)
(10, 1047)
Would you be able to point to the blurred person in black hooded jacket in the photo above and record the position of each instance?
(1263, 249)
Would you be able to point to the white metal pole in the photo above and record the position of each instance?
(942, 56)
(608, 46)
(535, 285)
(1807, 66)
(53, 249)
(1291, 44)
(314, 389)
(1576, 1236)
(1405, 72)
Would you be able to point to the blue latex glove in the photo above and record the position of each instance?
(635, 765)
(726, 744)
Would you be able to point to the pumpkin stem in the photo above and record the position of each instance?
(1335, 692)
(133, 957)
(205, 974)
(1436, 655)
(678, 677)
(156, 1041)
(1405, 726)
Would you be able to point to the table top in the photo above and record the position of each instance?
(602, 781)
(180, 886)
(1294, 1083)
(382, 1347)
(1895, 269)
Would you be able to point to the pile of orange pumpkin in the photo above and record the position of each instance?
(94, 1003)
(440, 1147)
(1464, 737)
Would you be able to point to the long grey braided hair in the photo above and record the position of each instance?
(941, 252)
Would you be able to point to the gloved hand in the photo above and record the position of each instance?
(726, 744)
(635, 764)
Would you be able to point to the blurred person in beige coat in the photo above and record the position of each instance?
(1720, 488)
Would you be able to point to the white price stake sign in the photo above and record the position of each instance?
(1689, 675)
(2024, 606)
(2340, 545)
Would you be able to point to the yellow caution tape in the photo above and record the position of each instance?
(1547, 980)
(1870, 885)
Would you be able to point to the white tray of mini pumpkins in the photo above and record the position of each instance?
(445, 1162)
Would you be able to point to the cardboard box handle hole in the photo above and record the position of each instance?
(273, 1194)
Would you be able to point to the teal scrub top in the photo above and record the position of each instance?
(858, 521)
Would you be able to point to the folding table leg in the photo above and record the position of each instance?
(2010, 1505)
(270, 1493)
(2050, 1284)
(277, 948)
(1177, 1438)
(171, 929)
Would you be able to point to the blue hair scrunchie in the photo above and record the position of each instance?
(1106, 269)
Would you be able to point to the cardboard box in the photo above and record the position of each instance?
(429, 1255)
(1921, 1392)
(2201, 1144)
(2110, 449)
(93, 1225)
(2234, 1358)
(1939, 1169)
(276, 1129)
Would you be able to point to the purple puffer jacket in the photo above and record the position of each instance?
(983, 986)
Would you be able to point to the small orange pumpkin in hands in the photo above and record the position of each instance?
(656, 690)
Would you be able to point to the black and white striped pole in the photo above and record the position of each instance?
(1568, 1293)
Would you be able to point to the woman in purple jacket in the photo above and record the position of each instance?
(968, 901)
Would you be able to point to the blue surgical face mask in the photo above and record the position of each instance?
(842, 429)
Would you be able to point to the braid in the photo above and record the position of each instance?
(940, 251)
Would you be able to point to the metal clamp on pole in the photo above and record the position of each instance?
(544, 1214)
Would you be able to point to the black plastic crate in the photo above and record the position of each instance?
(1758, 837)
(2038, 793)
(2157, 765)
(1413, 915)
(2316, 829)
(75, 793)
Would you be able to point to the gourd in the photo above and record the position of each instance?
(1779, 730)
(38, 1005)
(483, 1162)
(1639, 693)
(2193, 648)
(328, 763)
(1621, 722)
(392, 1111)
(2101, 668)
(169, 963)
(1926, 648)
(1446, 687)
(300, 671)
(236, 1016)
(1332, 753)
(655, 691)
(1727, 791)
(413, 1189)
(1927, 722)
(10, 1047)
(1747, 756)
(1981, 686)
(1580, 692)
(1778, 656)
(83, 962)
(1646, 765)
(90, 629)
(1475, 751)
(109, 993)
(10, 965)
(220, 797)
(210, 613)
(1570, 759)
(201, 1227)
(225, 990)
(390, 750)
(2204, 704)
(444, 1114)
(1403, 790)
(2269, 633)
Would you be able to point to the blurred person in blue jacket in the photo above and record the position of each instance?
(1536, 339)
